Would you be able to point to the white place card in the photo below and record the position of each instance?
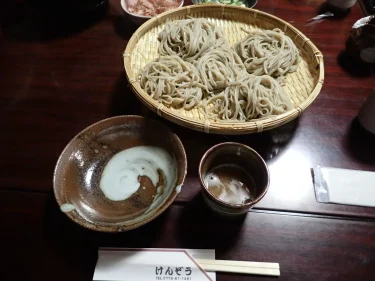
(343, 186)
(148, 264)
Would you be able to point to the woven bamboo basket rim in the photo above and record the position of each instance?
(224, 127)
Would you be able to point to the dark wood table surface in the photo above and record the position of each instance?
(55, 80)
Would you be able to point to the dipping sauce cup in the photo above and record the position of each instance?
(234, 177)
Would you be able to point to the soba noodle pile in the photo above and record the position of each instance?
(197, 69)
(190, 38)
(268, 52)
(219, 68)
(251, 97)
(172, 81)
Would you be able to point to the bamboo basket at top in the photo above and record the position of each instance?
(303, 86)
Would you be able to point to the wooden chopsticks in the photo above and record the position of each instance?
(246, 267)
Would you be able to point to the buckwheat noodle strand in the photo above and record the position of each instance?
(254, 97)
(190, 38)
(268, 52)
(172, 81)
(197, 70)
(218, 68)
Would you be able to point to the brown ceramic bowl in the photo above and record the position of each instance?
(78, 172)
(232, 154)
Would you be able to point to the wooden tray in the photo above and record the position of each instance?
(303, 86)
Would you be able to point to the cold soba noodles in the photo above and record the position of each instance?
(198, 70)
(268, 52)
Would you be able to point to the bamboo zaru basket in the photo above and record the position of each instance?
(303, 86)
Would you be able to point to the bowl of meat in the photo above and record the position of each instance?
(139, 11)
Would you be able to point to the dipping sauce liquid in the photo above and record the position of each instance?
(231, 184)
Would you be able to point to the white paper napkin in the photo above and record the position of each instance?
(143, 264)
(342, 186)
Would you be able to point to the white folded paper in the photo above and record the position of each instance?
(143, 264)
(342, 186)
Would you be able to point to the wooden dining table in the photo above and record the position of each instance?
(59, 74)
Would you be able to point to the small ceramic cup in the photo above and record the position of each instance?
(232, 154)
